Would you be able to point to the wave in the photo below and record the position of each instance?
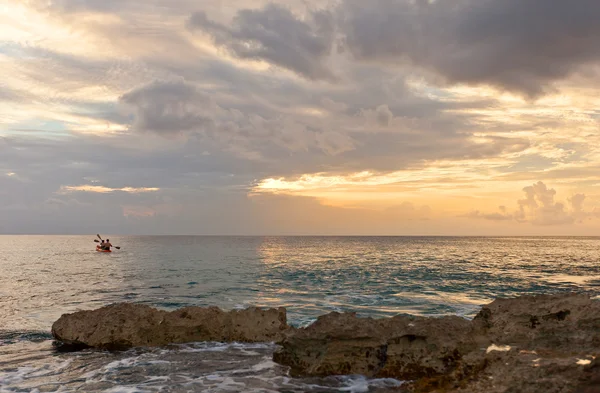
(11, 337)
(205, 366)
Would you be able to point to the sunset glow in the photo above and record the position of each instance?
(104, 190)
(217, 113)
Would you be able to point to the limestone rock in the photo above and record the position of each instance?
(126, 325)
(404, 347)
(570, 321)
(530, 344)
(335, 344)
(519, 371)
(424, 347)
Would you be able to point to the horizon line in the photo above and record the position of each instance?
(291, 235)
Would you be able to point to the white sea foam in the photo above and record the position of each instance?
(10, 378)
(245, 348)
(127, 389)
(203, 347)
(265, 364)
(348, 383)
(123, 363)
(359, 384)
(499, 348)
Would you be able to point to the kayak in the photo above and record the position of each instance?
(101, 250)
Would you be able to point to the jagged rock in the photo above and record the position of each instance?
(126, 325)
(519, 371)
(528, 344)
(404, 347)
(552, 322)
(335, 344)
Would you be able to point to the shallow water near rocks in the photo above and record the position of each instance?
(43, 277)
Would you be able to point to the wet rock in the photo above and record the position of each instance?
(403, 347)
(125, 325)
(420, 347)
(528, 344)
(570, 322)
(519, 371)
(335, 344)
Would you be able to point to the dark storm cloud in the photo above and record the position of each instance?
(169, 107)
(522, 46)
(283, 144)
(274, 34)
(519, 45)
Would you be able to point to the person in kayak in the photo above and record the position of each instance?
(106, 245)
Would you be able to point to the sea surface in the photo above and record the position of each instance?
(42, 277)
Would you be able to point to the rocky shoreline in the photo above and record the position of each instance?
(125, 325)
(529, 344)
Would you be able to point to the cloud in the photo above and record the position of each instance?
(332, 105)
(501, 216)
(169, 107)
(105, 190)
(207, 107)
(577, 202)
(540, 209)
(11, 95)
(381, 116)
(521, 46)
(516, 45)
(334, 143)
(278, 36)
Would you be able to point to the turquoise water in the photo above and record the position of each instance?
(45, 276)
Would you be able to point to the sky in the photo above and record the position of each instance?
(300, 117)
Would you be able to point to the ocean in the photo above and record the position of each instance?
(42, 277)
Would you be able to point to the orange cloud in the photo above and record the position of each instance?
(106, 190)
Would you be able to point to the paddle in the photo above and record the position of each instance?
(98, 241)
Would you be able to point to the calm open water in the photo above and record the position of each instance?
(42, 277)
